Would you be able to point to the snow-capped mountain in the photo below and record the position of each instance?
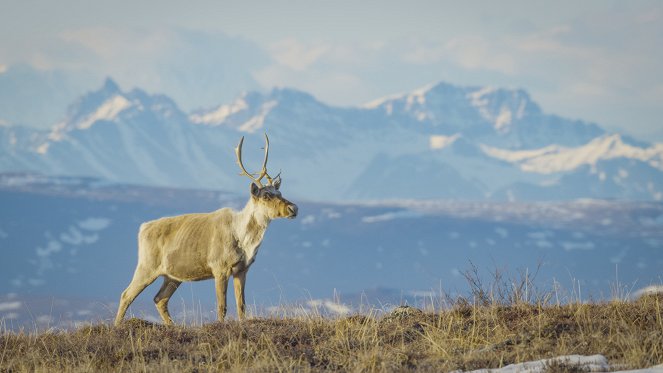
(134, 137)
(499, 117)
(441, 141)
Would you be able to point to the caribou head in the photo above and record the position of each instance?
(266, 197)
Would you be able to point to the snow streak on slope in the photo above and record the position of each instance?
(441, 142)
(107, 111)
(503, 115)
(555, 158)
(217, 116)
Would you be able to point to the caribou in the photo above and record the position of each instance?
(201, 246)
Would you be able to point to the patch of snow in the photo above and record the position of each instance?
(568, 246)
(257, 122)
(543, 244)
(437, 142)
(331, 306)
(649, 290)
(43, 148)
(94, 224)
(503, 120)
(593, 363)
(416, 96)
(373, 104)
(331, 213)
(75, 237)
(107, 111)
(291, 311)
(477, 97)
(44, 319)
(308, 219)
(52, 247)
(337, 308)
(539, 235)
(654, 369)
(422, 293)
(10, 306)
(555, 158)
(389, 216)
(219, 115)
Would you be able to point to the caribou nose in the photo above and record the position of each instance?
(293, 211)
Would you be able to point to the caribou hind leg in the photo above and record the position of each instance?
(142, 279)
(163, 296)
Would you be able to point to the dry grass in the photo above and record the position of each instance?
(465, 336)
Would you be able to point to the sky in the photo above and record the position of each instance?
(599, 61)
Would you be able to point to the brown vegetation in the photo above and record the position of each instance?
(466, 336)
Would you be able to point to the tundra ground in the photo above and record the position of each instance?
(466, 336)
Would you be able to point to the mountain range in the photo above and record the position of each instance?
(438, 142)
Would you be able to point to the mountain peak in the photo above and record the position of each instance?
(108, 103)
(110, 85)
(291, 94)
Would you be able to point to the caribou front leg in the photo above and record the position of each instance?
(239, 280)
(221, 283)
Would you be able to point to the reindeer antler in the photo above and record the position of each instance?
(263, 172)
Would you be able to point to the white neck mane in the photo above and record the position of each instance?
(250, 225)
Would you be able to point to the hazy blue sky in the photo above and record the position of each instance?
(595, 60)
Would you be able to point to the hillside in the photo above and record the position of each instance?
(465, 337)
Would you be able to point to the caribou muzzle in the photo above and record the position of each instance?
(292, 209)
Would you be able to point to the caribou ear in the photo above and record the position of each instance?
(255, 190)
(277, 182)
